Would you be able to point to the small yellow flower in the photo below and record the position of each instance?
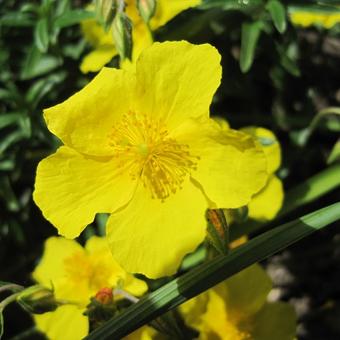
(265, 205)
(237, 309)
(141, 146)
(104, 49)
(76, 274)
(318, 18)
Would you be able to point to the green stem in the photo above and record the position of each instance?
(315, 121)
(12, 286)
(8, 300)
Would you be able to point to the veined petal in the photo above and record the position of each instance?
(66, 322)
(173, 88)
(275, 321)
(71, 188)
(101, 258)
(151, 237)
(51, 266)
(217, 321)
(265, 205)
(269, 144)
(85, 120)
(166, 10)
(246, 292)
(232, 167)
(98, 58)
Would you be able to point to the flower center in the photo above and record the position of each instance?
(159, 161)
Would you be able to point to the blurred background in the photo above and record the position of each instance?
(276, 74)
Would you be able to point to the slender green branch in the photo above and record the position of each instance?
(8, 300)
(12, 287)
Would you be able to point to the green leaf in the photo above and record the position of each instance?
(1, 324)
(335, 153)
(213, 272)
(37, 64)
(250, 36)
(73, 17)
(278, 14)
(7, 119)
(287, 62)
(17, 19)
(41, 35)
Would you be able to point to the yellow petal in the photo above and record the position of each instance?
(65, 323)
(151, 237)
(94, 33)
(101, 258)
(142, 39)
(71, 188)
(193, 310)
(175, 88)
(144, 333)
(270, 146)
(217, 320)
(246, 292)
(231, 168)
(98, 58)
(265, 205)
(166, 10)
(85, 120)
(51, 266)
(275, 321)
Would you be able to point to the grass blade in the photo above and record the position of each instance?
(210, 273)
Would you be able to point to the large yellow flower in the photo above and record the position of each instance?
(266, 204)
(142, 147)
(237, 309)
(104, 48)
(76, 274)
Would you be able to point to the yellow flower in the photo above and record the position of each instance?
(104, 49)
(76, 274)
(237, 309)
(142, 147)
(309, 18)
(265, 205)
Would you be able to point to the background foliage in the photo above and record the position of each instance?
(275, 75)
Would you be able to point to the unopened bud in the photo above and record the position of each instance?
(37, 299)
(105, 296)
(218, 231)
(147, 9)
(101, 308)
(122, 35)
(106, 11)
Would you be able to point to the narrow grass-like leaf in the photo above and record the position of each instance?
(212, 272)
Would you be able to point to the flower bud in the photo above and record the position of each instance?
(147, 9)
(106, 11)
(122, 35)
(218, 231)
(37, 299)
(105, 296)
